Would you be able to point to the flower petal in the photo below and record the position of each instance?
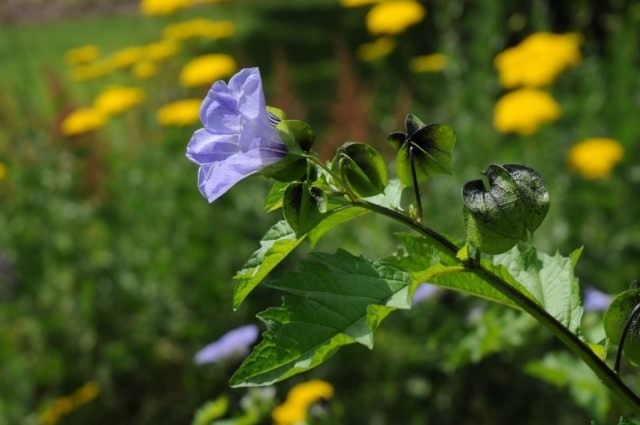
(246, 87)
(206, 147)
(216, 178)
(219, 111)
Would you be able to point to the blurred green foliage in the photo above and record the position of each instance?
(114, 269)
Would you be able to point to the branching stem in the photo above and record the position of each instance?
(607, 375)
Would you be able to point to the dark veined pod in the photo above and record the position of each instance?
(506, 210)
(362, 169)
(622, 325)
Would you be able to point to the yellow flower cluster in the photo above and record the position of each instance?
(125, 58)
(81, 55)
(64, 405)
(428, 63)
(115, 100)
(538, 59)
(595, 158)
(144, 70)
(83, 120)
(393, 17)
(376, 49)
(179, 113)
(523, 111)
(163, 7)
(294, 409)
(206, 69)
(200, 28)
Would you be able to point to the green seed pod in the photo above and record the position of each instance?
(432, 147)
(513, 205)
(615, 319)
(362, 168)
(303, 206)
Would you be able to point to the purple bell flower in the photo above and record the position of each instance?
(239, 136)
(234, 343)
(595, 300)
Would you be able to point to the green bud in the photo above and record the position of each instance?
(303, 206)
(362, 168)
(512, 206)
(615, 319)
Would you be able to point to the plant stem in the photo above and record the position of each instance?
(568, 338)
(416, 188)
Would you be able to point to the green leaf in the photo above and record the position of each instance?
(211, 411)
(391, 197)
(433, 146)
(626, 421)
(334, 300)
(276, 244)
(563, 371)
(458, 279)
(362, 168)
(616, 318)
(274, 197)
(303, 206)
(333, 219)
(551, 280)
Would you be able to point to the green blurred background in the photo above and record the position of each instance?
(114, 270)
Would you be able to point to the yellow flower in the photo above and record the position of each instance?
(179, 113)
(3, 171)
(86, 393)
(200, 28)
(83, 120)
(294, 409)
(523, 111)
(595, 158)
(159, 51)
(91, 71)
(163, 7)
(63, 405)
(393, 17)
(357, 3)
(81, 55)
(376, 49)
(206, 69)
(538, 60)
(144, 70)
(117, 99)
(428, 63)
(126, 57)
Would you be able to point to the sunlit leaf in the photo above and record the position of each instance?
(334, 300)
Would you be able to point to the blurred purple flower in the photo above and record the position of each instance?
(234, 343)
(424, 291)
(239, 136)
(595, 300)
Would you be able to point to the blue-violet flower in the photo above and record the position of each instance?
(234, 343)
(239, 136)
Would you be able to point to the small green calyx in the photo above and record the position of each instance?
(432, 147)
(507, 210)
(303, 206)
(298, 137)
(362, 169)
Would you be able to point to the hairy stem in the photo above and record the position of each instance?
(568, 338)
